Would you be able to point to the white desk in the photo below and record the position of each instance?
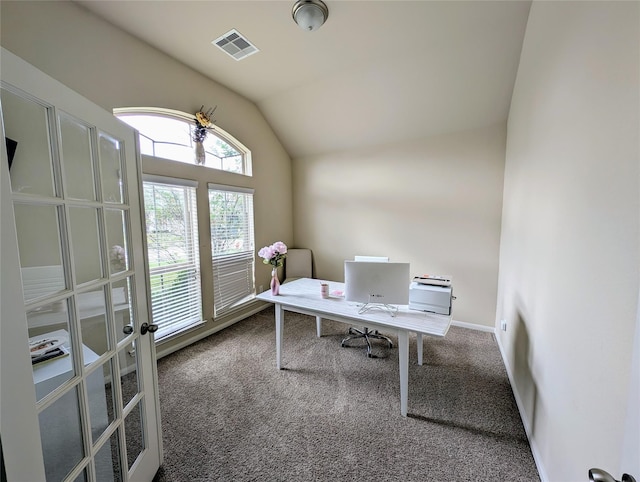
(303, 296)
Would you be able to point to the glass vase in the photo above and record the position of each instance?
(200, 154)
(275, 282)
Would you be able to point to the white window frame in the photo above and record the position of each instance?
(189, 119)
(234, 263)
(189, 303)
(234, 273)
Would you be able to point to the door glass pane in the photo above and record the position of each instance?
(83, 477)
(26, 124)
(111, 169)
(115, 221)
(133, 425)
(86, 246)
(128, 373)
(108, 468)
(40, 252)
(122, 309)
(101, 399)
(61, 434)
(92, 307)
(77, 160)
(49, 336)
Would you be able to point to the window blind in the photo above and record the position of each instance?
(232, 246)
(174, 259)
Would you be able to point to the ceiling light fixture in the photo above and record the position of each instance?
(310, 14)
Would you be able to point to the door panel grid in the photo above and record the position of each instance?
(70, 198)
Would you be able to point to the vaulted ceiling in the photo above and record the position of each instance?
(376, 72)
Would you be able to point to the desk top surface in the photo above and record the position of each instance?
(304, 294)
(51, 368)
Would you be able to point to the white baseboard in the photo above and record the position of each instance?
(160, 352)
(525, 420)
(473, 326)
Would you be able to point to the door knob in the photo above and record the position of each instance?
(146, 327)
(127, 329)
(599, 475)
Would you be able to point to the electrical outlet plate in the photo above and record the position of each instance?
(503, 325)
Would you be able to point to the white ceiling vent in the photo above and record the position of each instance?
(235, 45)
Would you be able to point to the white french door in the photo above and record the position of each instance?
(73, 289)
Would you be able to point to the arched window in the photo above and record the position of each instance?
(174, 236)
(168, 134)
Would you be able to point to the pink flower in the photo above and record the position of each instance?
(280, 247)
(266, 252)
(274, 254)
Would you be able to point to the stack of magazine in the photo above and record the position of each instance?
(433, 280)
(47, 347)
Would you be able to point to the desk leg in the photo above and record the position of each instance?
(319, 326)
(419, 342)
(403, 357)
(279, 326)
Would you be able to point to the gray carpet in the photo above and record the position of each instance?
(333, 414)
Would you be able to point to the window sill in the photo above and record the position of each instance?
(177, 331)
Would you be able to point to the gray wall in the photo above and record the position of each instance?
(570, 237)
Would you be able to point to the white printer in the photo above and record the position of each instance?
(433, 298)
